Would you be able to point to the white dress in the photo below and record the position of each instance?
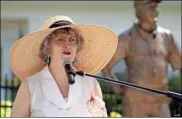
(47, 100)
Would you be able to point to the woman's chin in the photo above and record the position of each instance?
(68, 59)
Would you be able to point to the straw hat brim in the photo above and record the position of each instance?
(100, 44)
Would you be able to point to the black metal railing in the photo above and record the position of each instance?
(9, 89)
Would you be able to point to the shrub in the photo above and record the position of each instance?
(6, 108)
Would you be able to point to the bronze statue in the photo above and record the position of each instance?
(146, 49)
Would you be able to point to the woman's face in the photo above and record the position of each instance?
(64, 46)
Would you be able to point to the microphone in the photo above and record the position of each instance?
(69, 72)
(154, 36)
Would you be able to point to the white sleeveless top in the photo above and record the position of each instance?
(47, 100)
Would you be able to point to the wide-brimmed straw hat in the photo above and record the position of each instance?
(100, 44)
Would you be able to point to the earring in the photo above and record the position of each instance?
(48, 60)
(74, 62)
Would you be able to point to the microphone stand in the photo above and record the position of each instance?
(177, 98)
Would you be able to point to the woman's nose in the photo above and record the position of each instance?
(66, 42)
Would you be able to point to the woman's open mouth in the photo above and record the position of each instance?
(67, 52)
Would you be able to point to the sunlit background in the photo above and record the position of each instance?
(22, 17)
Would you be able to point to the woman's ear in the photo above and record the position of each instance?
(77, 54)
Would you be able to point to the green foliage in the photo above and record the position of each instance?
(175, 84)
(113, 103)
(115, 114)
(6, 103)
(11, 82)
(6, 112)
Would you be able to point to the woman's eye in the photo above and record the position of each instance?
(63, 32)
(60, 39)
(72, 39)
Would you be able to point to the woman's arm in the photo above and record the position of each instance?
(21, 105)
